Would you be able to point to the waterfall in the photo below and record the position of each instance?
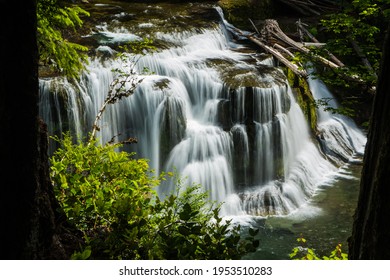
(339, 136)
(220, 116)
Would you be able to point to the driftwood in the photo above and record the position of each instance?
(273, 50)
(295, 68)
(274, 41)
(355, 46)
(268, 39)
(272, 31)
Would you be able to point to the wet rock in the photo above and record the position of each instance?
(224, 115)
(241, 156)
(304, 98)
(173, 127)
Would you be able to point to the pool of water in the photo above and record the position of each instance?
(324, 222)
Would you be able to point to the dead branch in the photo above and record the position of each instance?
(124, 85)
(310, 44)
(274, 41)
(274, 52)
(283, 49)
(130, 140)
(271, 30)
(279, 56)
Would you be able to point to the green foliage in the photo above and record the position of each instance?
(361, 23)
(302, 252)
(355, 36)
(52, 20)
(109, 196)
(188, 227)
(93, 181)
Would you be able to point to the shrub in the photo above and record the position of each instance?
(110, 197)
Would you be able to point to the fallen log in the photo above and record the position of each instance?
(310, 44)
(357, 49)
(270, 36)
(295, 68)
(272, 30)
(283, 49)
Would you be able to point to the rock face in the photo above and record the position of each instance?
(237, 12)
(250, 111)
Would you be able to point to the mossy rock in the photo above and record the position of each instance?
(238, 12)
(304, 97)
(235, 75)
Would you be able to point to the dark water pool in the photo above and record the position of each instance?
(325, 221)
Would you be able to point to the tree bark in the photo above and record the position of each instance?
(30, 224)
(371, 229)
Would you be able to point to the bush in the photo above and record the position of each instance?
(110, 197)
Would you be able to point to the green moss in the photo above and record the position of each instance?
(237, 75)
(304, 98)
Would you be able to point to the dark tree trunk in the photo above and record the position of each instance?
(371, 230)
(29, 223)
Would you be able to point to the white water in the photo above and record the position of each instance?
(340, 137)
(258, 158)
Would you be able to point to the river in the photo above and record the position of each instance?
(221, 114)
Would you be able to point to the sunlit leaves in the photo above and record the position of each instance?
(352, 35)
(67, 58)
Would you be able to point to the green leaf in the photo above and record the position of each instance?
(184, 230)
(186, 214)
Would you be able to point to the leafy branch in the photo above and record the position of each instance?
(53, 19)
(126, 81)
(345, 110)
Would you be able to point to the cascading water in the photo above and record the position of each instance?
(339, 136)
(221, 116)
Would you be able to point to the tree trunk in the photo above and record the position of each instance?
(371, 229)
(29, 221)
